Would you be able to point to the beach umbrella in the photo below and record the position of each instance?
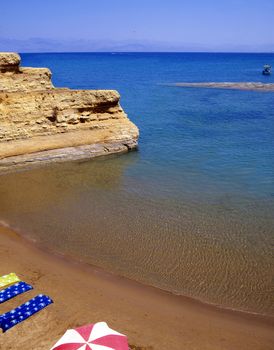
(96, 336)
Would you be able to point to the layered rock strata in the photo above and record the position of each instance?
(40, 123)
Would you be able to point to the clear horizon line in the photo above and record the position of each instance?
(119, 52)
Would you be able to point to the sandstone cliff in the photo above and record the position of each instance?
(40, 123)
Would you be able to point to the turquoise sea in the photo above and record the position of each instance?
(192, 211)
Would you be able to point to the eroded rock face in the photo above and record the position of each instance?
(26, 80)
(36, 117)
(9, 62)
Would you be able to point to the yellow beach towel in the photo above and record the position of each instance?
(9, 279)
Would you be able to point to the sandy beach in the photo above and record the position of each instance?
(151, 318)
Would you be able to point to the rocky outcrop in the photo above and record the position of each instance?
(40, 123)
(9, 62)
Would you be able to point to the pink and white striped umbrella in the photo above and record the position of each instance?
(96, 336)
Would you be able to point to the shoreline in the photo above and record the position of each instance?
(109, 274)
(147, 306)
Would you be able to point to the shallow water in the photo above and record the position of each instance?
(190, 212)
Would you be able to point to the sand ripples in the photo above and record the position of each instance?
(219, 251)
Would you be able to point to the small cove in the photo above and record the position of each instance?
(192, 211)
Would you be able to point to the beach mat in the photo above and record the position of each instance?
(9, 279)
(13, 291)
(24, 311)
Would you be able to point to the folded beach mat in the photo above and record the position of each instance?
(21, 313)
(9, 279)
(13, 291)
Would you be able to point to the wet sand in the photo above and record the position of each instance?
(227, 85)
(151, 318)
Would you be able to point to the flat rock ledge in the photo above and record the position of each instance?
(40, 123)
(226, 85)
(79, 153)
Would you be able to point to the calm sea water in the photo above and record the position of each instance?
(192, 211)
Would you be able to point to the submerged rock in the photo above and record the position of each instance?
(37, 119)
(226, 85)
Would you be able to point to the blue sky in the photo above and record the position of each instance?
(171, 25)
